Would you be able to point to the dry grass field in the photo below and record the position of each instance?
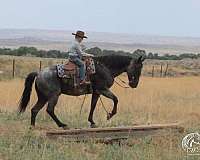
(175, 98)
(156, 100)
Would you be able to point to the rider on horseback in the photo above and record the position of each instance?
(76, 53)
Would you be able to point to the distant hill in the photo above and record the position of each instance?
(61, 40)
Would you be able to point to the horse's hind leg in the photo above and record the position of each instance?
(50, 110)
(95, 98)
(38, 106)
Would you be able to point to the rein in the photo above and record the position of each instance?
(103, 106)
(122, 82)
(82, 103)
(100, 96)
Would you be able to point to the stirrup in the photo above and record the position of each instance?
(84, 82)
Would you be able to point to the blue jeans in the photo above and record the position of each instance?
(81, 66)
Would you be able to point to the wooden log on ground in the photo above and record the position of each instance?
(115, 133)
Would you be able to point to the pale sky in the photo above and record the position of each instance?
(154, 17)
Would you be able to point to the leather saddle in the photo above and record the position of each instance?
(70, 68)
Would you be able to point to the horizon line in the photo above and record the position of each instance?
(88, 31)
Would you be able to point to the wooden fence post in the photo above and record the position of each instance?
(166, 70)
(40, 65)
(13, 68)
(153, 71)
(161, 70)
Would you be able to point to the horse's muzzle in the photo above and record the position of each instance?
(133, 84)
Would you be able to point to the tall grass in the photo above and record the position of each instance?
(156, 100)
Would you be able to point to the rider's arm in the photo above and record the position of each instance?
(83, 47)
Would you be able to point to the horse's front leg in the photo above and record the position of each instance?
(95, 97)
(107, 93)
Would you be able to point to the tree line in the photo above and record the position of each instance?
(34, 52)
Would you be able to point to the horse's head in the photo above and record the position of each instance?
(134, 71)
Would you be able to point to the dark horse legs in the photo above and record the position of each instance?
(50, 110)
(107, 93)
(95, 97)
(36, 108)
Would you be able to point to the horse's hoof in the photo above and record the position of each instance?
(93, 126)
(31, 127)
(109, 116)
(65, 127)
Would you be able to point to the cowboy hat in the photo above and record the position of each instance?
(80, 34)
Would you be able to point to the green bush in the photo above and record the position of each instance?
(32, 51)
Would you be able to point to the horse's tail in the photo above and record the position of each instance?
(27, 91)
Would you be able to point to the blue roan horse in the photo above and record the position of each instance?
(49, 86)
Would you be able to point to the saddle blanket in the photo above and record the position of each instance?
(60, 69)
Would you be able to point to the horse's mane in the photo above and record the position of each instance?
(114, 61)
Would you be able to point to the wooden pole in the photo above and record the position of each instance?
(166, 70)
(161, 70)
(40, 65)
(153, 71)
(13, 70)
(117, 132)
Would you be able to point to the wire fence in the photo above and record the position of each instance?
(20, 67)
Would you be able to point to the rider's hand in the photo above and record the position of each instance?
(87, 55)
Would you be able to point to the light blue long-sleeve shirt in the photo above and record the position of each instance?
(77, 49)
